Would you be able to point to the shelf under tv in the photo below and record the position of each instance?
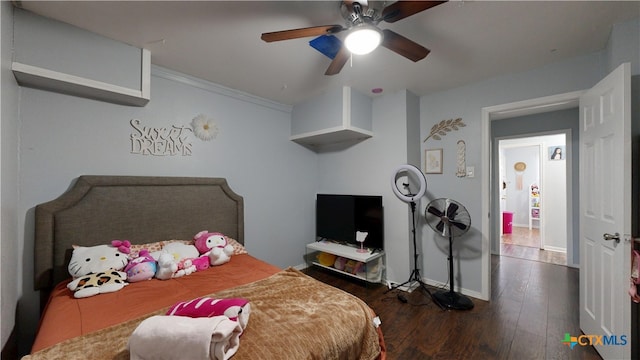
(372, 260)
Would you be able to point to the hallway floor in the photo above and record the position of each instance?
(523, 243)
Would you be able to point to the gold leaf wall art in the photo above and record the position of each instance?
(443, 127)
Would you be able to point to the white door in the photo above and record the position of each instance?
(605, 208)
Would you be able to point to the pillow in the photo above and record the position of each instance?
(154, 246)
(158, 245)
(236, 309)
(238, 248)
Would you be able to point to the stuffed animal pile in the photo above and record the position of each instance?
(175, 260)
(107, 268)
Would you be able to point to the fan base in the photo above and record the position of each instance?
(453, 300)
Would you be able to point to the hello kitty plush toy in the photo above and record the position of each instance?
(97, 269)
(215, 245)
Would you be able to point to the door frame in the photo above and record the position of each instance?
(496, 112)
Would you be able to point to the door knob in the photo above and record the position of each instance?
(609, 237)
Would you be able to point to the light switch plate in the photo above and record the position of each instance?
(471, 171)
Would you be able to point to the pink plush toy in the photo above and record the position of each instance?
(124, 246)
(214, 245)
(185, 267)
(141, 268)
(201, 263)
(236, 309)
(205, 241)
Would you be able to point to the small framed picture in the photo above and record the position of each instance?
(433, 161)
(556, 152)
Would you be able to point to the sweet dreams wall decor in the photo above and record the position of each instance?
(170, 140)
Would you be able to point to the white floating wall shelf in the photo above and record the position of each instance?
(41, 78)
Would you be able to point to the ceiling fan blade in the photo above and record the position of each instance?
(338, 62)
(434, 211)
(402, 9)
(403, 46)
(300, 33)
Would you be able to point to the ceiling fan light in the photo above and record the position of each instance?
(363, 39)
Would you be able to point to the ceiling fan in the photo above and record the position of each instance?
(362, 18)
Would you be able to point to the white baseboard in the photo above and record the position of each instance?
(555, 248)
(300, 266)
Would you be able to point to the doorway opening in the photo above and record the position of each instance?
(533, 197)
(490, 224)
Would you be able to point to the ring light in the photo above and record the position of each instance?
(408, 198)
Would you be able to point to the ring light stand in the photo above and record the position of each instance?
(411, 198)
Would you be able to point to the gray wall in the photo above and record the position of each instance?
(9, 188)
(624, 46)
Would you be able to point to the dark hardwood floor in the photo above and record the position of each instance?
(533, 305)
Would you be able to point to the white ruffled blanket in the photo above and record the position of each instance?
(179, 337)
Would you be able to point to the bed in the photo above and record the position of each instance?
(292, 315)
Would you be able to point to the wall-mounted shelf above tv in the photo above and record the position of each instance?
(332, 136)
(338, 116)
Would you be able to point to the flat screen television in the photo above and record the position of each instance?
(338, 217)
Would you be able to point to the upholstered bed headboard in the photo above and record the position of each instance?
(141, 209)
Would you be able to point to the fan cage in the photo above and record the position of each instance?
(440, 213)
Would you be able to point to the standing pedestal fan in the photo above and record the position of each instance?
(449, 218)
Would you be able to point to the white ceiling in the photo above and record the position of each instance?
(469, 41)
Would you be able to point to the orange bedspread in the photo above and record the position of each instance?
(66, 317)
(293, 316)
